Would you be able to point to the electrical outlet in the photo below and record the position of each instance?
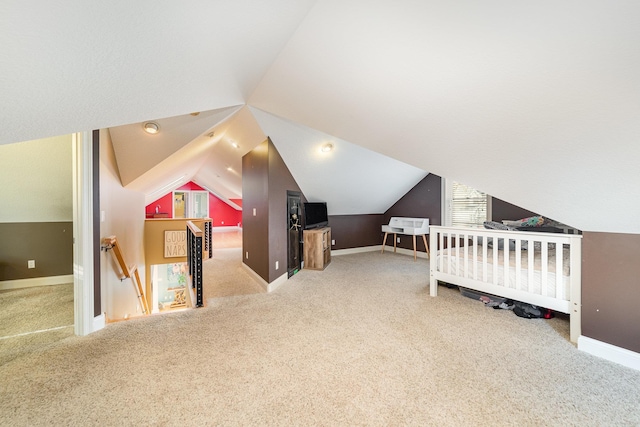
(277, 265)
(31, 263)
(246, 255)
(398, 240)
(333, 242)
(222, 222)
(254, 211)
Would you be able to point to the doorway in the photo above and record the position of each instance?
(294, 241)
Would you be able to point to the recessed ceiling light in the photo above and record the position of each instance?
(210, 134)
(326, 147)
(229, 168)
(151, 127)
(195, 113)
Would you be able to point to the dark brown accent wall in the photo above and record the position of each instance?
(424, 200)
(50, 244)
(355, 231)
(611, 288)
(501, 210)
(255, 195)
(280, 181)
(265, 181)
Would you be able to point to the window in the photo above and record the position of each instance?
(466, 206)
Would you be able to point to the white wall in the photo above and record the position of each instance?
(123, 217)
(36, 179)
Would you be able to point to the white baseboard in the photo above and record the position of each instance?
(612, 353)
(99, 322)
(377, 248)
(225, 228)
(276, 283)
(268, 287)
(360, 250)
(36, 281)
(409, 252)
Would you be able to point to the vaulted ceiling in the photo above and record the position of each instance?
(535, 103)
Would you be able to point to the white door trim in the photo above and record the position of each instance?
(84, 322)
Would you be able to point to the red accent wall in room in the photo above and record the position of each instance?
(237, 201)
(164, 204)
(191, 186)
(221, 213)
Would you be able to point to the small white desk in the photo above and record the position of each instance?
(410, 226)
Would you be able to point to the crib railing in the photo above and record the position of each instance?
(462, 256)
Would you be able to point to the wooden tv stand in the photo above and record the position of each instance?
(317, 248)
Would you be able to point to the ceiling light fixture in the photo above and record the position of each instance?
(210, 134)
(151, 128)
(234, 144)
(195, 113)
(326, 147)
(229, 168)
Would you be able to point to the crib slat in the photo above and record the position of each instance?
(544, 259)
(465, 248)
(475, 257)
(485, 247)
(495, 261)
(560, 294)
(442, 250)
(450, 249)
(530, 264)
(506, 263)
(456, 244)
(518, 263)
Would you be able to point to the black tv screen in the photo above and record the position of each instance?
(315, 215)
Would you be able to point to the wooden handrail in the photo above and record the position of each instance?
(127, 272)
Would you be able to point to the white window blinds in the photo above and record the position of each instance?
(468, 206)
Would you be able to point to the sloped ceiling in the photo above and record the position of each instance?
(535, 103)
(207, 148)
(351, 179)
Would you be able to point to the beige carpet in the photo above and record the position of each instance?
(223, 275)
(32, 318)
(360, 343)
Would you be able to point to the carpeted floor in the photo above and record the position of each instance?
(223, 275)
(360, 343)
(34, 318)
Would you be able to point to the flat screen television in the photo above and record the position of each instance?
(315, 215)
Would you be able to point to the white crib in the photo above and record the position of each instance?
(523, 266)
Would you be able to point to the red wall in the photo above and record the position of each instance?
(220, 212)
(164, 205)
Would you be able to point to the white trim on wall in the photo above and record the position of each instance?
(359, 250)
(268, 287)
(83, 234)
(35, 281)
(612, 353)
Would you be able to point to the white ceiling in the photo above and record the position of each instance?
(535, 103)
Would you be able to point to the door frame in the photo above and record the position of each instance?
(85, 320)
